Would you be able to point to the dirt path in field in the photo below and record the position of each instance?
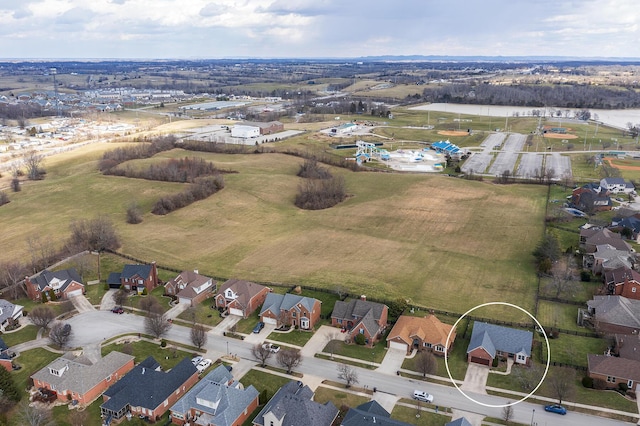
(620, 166)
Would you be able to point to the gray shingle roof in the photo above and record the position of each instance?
(292, 403)
(498, 338)
(370, 413)
(64, 277)
(217, 389)
(79, 375)
(147, 388)
(130, 271)
(8, 310)
(277, 302)
(459, 422)
(616, 310)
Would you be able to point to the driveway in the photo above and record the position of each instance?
(254, 338)
(225, 324)
(475, 380)
(320, 339)
(82, 304)
(177, 310)
(107, 303)
(392, 361)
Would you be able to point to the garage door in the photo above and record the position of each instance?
(398, 345)
(185, 301)
(268, 320)
(234, 311)
(74, 293)
(478, 360)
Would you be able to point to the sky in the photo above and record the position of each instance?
(212, 29)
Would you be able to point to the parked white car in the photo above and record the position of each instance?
(273, 348)
(196, 360)
(203, 365)
(422, 396)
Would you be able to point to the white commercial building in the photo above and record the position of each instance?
(240, 131)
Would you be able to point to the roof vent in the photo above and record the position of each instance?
(363, 297)
(142, 370)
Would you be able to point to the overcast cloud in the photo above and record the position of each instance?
(317, 28)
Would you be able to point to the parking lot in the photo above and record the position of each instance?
(505, 162)
(558, 166)
(530, 165)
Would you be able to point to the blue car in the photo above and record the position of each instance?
(558, 409)
(258, 327)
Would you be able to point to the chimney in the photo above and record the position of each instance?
(363, 297)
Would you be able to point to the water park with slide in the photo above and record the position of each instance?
(431, 159)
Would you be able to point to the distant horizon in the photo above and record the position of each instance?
(167, 29)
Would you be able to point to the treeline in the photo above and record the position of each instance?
(320, 190)
(561, 96)
(199, 190)
(184, 170)
(24, 110)
(111, 159)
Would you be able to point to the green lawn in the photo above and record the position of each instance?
(264, 381)
(294, 337)
(362, 353)
(167, 357)
(570, 349)
(134, 301)
(25, 334)
(427, 418)
(338, 398)
(203, 312)
(94, 293)
(31, 361)
(558, 315)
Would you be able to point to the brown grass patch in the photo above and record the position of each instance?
(620, 166)
(559, 136)
(453, 133)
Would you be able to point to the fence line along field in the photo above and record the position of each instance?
(438, 241)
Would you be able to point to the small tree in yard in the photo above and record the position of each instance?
(426, 363)
(333, 342)
(289, 359)
(562, 383)
(151, 305)
(156, 324)
(120, 297)
(348, 374)
(34, 416)
(507, 412)
(41, 316)
(198, 336)
(261, 354)
(60, 334)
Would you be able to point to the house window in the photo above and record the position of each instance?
(633, 289)
(362, 331)
(293, 314)
(440, 348)
(109, 378)
(611, 379)
(427, 345)
(304, 323)
(140, 282)
(339, 321)
(629, 383)
(521, 357)
(271, 423)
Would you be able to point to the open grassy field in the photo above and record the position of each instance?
(428, 238)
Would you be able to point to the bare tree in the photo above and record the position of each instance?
(127, 348)
(289, 358)
(563, 276)
(157, 324)
(562, 383)
(527, 377)
(97, 234)
(261, 354)
(66, 307)
(333, 342)
(41, 251)
(33, 161)
(134, 214)
(426, 363)
(60, 334)
(198, 335)
(79, 418)
(34, 416)
(507, 412)
(348, 374)
(120, 297)
(41, 316)
(151, 305)
(11, 278)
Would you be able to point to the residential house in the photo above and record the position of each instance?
(489, 341)
(78, 379)
(293, 405)
(135, 278)
(9, 314)
(617, 185)
(632, 223)
(240, 297)
(147, 390)
(217, 400)
(615, 314)
(607, 258)
(590, 200)
(591, 238)
(360, 316)
(190, 287)
(5, 356)
(370, 413)
(623, 282)
(627, 346)
(614, 371)
(292, 310)
(421, 333)
(459, 422)
(65, 283)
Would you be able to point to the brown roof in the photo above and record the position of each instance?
(187, 282)
(605, 236)
(620, 275)
(429, 329)
(620, 368)
(628, 346)
(246, 290)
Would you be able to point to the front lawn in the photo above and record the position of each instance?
(362, 353)
(264, 381)
(294, 337)
(427, 418)
(94, 293)
(31, 361)
(25, 334)
(134, 301)
(167, 357)
(205, 313)
(338, 398)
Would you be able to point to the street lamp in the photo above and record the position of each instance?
(227, 348)
(532, 414)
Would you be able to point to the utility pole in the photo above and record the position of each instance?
(53, 72)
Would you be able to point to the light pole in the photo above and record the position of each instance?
(227, 348)
(533, 414)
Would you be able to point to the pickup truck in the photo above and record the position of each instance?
(273, 348)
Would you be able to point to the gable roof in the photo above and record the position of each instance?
(429, 329)
(292, 403)
(189, 284)
(621, 275)
(147, 388)
(459, 422)
(357, 308)
(494, 338)
(9, 310)
(59, 280)
(606, 236)
(219, 398)
(3, 345)
(78, 374)
(131, 271)
(370, 413)
(628, 346)
(246, 290)
(275, 303)
(614, 366)
(616, 310)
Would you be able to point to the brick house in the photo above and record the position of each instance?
(65, 283)
(615, 314)
(76, 378)
(190, 287)
(5, 356)
(217, 400)
(360, 316)
(421, 333)
(614, 370)
(291, 309)
(241, 297)
(9, 314)
(489, 341)
(147, 390)
(135, 278)
(623, 282)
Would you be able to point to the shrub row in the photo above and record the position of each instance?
(199, 190)
(317, 194)
(173, 170)
(117, 156)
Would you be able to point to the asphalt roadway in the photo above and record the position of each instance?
(93, 327)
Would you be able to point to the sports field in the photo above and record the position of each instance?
(439, 241)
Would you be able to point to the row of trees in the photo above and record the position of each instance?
(199, 190)
(111, 159)
(320, 190)
(184, 170)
